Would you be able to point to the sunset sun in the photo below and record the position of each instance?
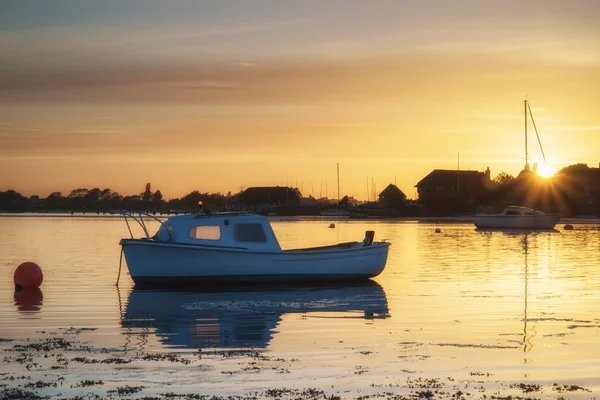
(545, 170)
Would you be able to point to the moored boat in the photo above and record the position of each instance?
(334, 212)
(240, 248)
(515, 217)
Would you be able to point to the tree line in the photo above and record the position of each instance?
(105, 200)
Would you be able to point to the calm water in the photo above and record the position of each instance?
(481, 312)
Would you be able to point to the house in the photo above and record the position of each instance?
(448, 187)
(391, 196)
(269, 195)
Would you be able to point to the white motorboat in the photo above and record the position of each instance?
(515, 217)
(244, 316)
(242, 248)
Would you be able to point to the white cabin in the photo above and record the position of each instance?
(516, 210)
(244, 231)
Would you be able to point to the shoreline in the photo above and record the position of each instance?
(57, 365)
(459, 219)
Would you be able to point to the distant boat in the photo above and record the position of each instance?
(240, 248)
(335, 212)
(514, 217)
(357, 214)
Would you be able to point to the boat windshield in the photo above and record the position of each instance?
(249, 233)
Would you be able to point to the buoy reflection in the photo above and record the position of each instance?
(29, 300)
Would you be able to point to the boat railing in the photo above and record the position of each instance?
(139, 218)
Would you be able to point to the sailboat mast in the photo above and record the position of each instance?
(338, 181)
(526, 152)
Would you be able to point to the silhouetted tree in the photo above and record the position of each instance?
(76, 199)
(574, 169)
(13, 201)
(157, 200)
(55, 201)
(91, 198)
(147, 195)
(190, 201)
(503, 178)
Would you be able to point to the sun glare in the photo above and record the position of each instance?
(545, 170)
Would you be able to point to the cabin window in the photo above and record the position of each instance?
(513, 213)
(206, 232)
(529, 213)
(249, 233)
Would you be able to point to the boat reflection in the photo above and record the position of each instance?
(243, 317)
(516, 231)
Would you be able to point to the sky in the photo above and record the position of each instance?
(218, 96)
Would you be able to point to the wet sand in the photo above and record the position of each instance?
(60, 365)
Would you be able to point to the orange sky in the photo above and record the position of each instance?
(216, 97)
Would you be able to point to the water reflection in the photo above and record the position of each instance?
(527, 345)
(244, 317)
(29, 300)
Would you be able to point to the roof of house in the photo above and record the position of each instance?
(440, 177)
(391, 190)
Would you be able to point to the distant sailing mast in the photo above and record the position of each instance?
(338, 182)
(528, 109)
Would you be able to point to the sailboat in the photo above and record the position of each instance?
(514, 217)
(528, 110)
(336, 211)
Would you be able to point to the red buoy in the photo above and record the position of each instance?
(28, 275)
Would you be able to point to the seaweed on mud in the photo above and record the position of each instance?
(88, 383)
(422, 383)
(165, 357)
(126, 390)
(568, 388)
(39, 385)
(426, 394)
(235, 353)
(48, 344)
(76, 331)
(312, 393)
(527, 387)
(20, 394)
(112, 360)
(278, 392)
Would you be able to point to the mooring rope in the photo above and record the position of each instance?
(120, 263)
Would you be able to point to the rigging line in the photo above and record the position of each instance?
(536, 134)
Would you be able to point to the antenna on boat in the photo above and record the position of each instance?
(526, 153)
